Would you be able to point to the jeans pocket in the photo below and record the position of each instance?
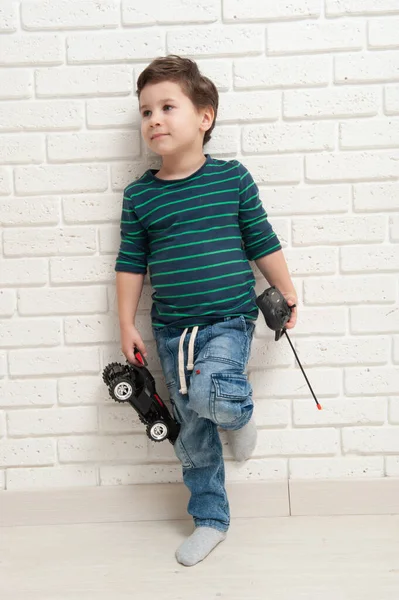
(231, 398)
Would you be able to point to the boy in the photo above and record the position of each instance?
(196, 223)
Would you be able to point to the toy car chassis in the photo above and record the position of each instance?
(136, 385)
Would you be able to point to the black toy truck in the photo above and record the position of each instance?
(136, 385)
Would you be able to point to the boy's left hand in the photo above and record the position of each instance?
(291, 300)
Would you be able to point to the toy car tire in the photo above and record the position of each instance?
(157, 431)
(121, 390)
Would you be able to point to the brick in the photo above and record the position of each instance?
(82, 390)
(3, 364)
(331, 103)
(216, 41)
(373, 289)
(345, 351)
(63, 178)
(396, 350)
(282, 230)
(352, 166)
(219, 71)
(337, 230)
(274, 169)
(325, 36)
(383, 33)
(36, 116)
(3, 480)
(87, 330)
(250, 10)
(114, 47)
(367, 67)
(40, 478)
(140, 474)
(7, 303)
(62, 301)
(82, 270)
(176, 11)
(25, 453)
(5, 182)
(266, 354)
(30, 211)
(23, 149)
(83, 81)
(394, 228)
(370, 440)
(369, 259)
(119, 419)
(376, 197)
(16, 272)
(355, 411)
(287, 137)
(69, 14)
(249, 106)
(28, 393)
(28, 332)
(312, 261)
(112, 112)
(392, 100)
(8, 16)
(290, 383)
(372, 134)
(92, 208)
(78, 147)
(313, 199)
(394, 410)
(52, 421)
(160, 452)
(370, 381)
(49, 241)
(360, 7)
(224, 142)
(110, 238)
(2, 424)
(260, 469)
(290, 442)
(292, 71)
(369, 319)
(124, 173)
(272, 413)
(102, 448)
(392, 466)
(57, 361)
(30, 50)
(321, 321)
(338, 467)
(15, 84)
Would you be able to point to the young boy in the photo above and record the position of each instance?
(195, 224)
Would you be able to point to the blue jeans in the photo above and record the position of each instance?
(219, 395)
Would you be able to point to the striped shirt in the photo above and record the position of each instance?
(196, 236)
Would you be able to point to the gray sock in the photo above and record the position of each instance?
(200, 543)
(243, 441)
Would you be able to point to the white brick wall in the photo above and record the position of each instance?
(309, 102)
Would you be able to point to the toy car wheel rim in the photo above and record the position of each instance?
(123, 390)
(159, 431)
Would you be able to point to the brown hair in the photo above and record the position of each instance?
(201, 90)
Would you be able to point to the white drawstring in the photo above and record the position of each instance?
(190, 358)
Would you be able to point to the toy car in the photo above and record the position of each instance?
(136, 385)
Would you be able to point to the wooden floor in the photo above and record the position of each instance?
(284, 558)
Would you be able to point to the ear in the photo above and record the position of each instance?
(207, 117)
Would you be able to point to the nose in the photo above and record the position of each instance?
(155, 119)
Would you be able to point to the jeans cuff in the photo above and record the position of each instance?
(219, 525)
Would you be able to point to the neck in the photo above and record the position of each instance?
(178, 166)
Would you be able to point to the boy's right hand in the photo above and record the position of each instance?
(130, 338)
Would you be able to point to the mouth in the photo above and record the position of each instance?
(158, 135)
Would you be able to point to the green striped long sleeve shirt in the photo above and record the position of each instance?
(196, 236)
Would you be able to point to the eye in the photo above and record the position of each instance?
(167, 107)
(146, 113)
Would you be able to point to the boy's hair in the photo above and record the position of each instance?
(201, 90)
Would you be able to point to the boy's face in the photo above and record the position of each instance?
(170, 122)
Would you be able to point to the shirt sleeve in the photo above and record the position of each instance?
(132, 256)
(258, 236)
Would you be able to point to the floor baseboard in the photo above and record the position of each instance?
(158, 502)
